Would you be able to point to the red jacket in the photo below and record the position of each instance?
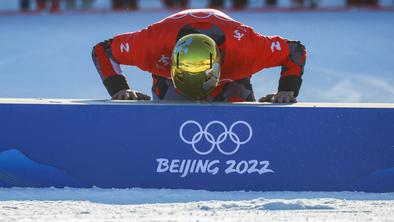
(245, 52)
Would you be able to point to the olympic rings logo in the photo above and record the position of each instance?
(215, 142)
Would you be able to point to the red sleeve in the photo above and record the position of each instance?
(271, 51)
(108, 68)
(105, 65)
(123, 48)
(133, 48)
(293, 68)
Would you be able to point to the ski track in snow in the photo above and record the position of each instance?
(49, 204)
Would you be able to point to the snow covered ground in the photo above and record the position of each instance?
(95, 204)
(350, 60)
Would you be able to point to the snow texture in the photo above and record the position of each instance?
(51, 204)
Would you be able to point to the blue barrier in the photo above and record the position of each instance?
(219, 147)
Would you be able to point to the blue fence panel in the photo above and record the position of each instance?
(197, 146)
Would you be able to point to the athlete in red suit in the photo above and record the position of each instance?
(244, 52)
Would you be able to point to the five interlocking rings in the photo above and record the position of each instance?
(219, 140)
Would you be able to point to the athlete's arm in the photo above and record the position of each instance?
(293, 68)
(107, 57)
(291, 75)
(290, 55)
(109, 70)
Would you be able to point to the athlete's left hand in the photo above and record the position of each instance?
(280, 97)
(128, 94)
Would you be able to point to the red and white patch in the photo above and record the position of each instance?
(124, 47)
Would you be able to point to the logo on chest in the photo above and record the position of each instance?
(163, 62)
(238, 34)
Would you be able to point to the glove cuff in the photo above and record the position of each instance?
(115, 83)
(290, 83)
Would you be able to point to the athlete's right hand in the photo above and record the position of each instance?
(128, 94)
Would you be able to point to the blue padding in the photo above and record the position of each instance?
(224, 147)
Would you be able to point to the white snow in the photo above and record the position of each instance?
(50, 204)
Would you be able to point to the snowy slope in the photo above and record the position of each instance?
(183, 205)
(350, 54)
